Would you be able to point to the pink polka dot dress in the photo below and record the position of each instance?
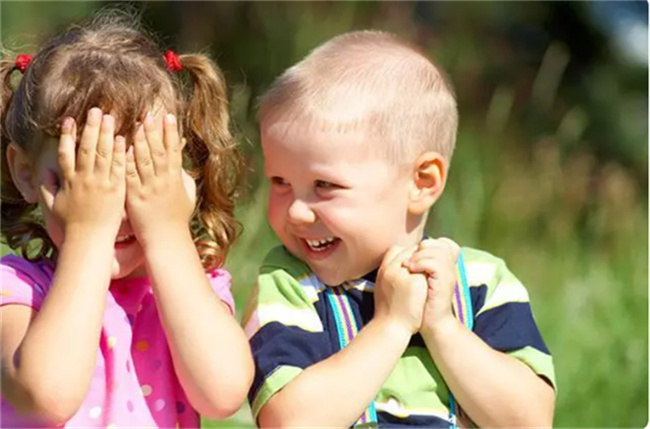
(134, 384)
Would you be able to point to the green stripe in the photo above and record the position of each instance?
(538, 361)
(416, 383)
(276, 381)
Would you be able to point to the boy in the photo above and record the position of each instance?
(352, 318)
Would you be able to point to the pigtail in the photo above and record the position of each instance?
(19, 223)
(215, 161)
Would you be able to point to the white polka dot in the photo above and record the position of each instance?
(159, 404)
(146, 389)
(95, 412)
(111, 426)
(111, 342)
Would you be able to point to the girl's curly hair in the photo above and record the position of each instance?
(112, 63)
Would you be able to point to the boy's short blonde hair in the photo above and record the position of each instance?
(373, 81)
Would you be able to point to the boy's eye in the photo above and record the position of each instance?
(324, 184)
(278, 181)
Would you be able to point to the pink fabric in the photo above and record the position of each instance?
(134, 384)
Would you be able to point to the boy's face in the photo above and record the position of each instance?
(334, 203)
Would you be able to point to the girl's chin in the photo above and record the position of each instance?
(126, 270)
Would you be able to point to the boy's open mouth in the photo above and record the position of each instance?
(322, 244)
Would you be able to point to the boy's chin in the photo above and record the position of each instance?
(330, 278)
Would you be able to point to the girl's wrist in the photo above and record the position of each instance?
(163, 238)
(90, 234)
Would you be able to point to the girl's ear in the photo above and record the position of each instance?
(22, 172)
(429, 178)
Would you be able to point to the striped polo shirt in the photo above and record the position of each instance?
(291, 326)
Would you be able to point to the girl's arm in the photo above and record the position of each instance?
(348, 381)
(48, 356)
(210, 351)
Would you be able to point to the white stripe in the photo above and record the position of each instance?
(311, 286)
(302, 318)
(394, 407)
(362, 285)
(505, 293)
(479, 273)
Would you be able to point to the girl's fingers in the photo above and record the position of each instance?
(154, 135)
(118, 164)
(131, 170)
(65, 152)
(88, 144)
(173, 142)
(104, 152)
(142, 155)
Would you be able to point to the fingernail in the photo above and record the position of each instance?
(170, 118)
(148, 118)
(66, 126)
(94, 116)
(107, 120)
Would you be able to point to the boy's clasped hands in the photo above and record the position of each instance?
(415, 286)
(100, 178)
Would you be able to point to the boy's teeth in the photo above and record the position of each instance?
(319, 244)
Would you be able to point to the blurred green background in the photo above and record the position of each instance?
(550, 171)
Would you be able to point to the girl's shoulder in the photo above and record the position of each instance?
(23, 278)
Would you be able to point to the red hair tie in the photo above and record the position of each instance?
(22, 62)
(173, 62)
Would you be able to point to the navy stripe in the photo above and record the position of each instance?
(508, 327)
(477, 295)
(386, 420)
(275, 345)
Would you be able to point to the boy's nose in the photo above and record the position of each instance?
(300, 213)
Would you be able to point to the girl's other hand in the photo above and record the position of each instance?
(160, 196)
(92, 191)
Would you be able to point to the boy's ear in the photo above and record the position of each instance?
(22, 172)
(429, 178)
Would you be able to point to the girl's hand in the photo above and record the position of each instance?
(437, 259)
(92, 191)
(399, 294)
(160, 195)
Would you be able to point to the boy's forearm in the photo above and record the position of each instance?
(65, 331)
(494, 389)
(205, 341)
(346, 382)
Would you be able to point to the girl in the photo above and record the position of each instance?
(117, 313)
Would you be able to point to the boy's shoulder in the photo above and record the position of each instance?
(484, 268)
(279, 258)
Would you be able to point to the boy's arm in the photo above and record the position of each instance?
(336, 391)
(331, 390)
(494, 389)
